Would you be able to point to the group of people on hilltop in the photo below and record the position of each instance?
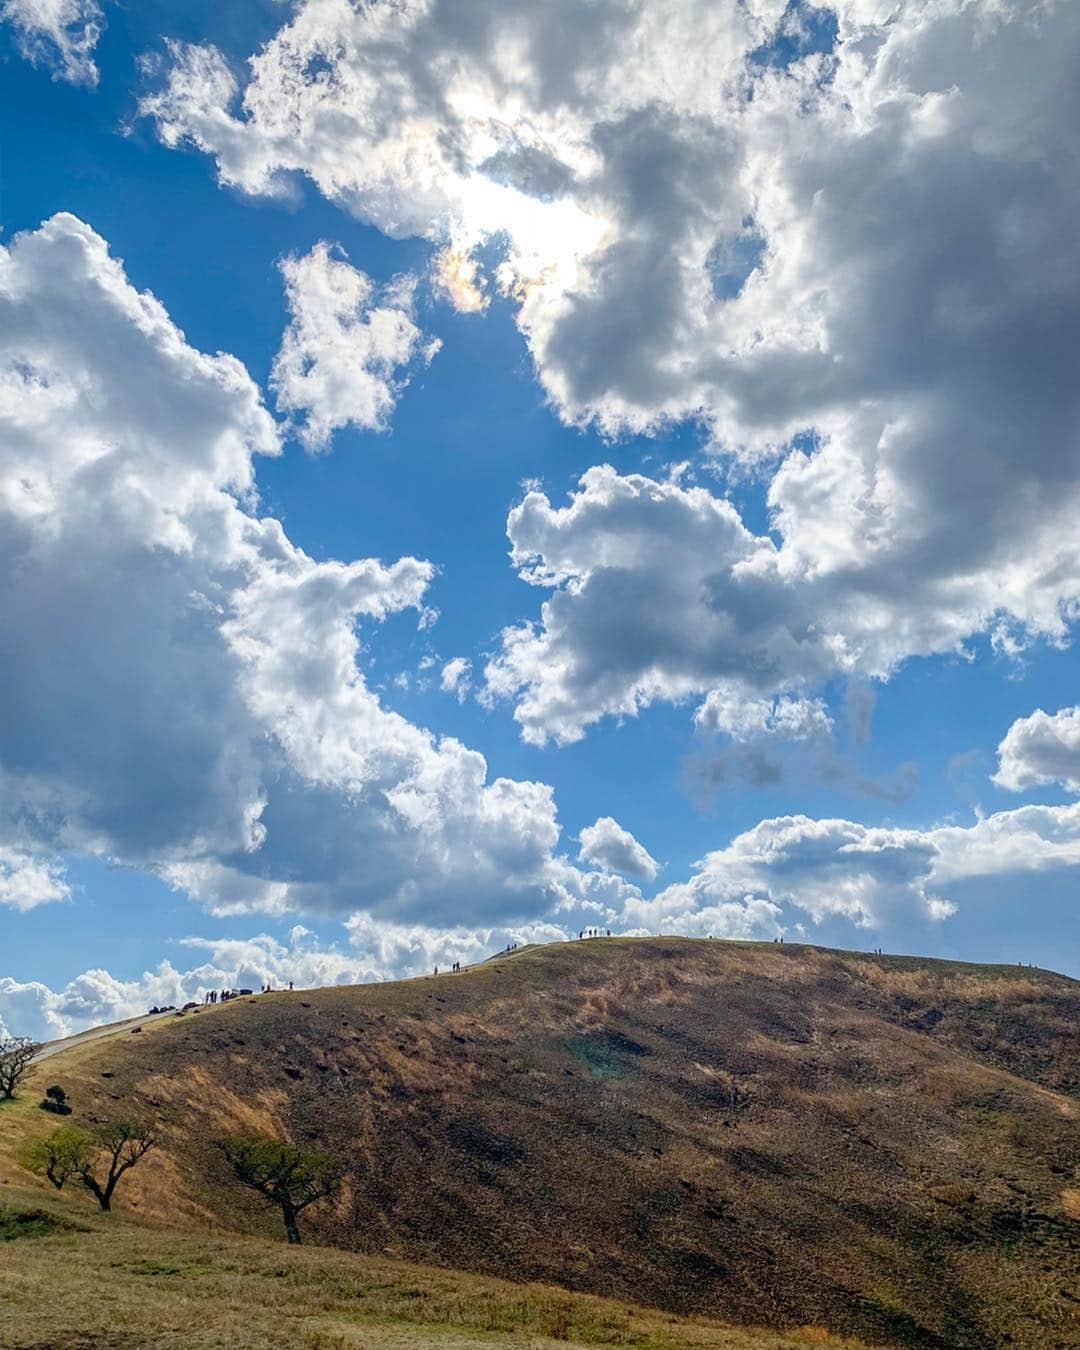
(213, 996)
(455, 968)
(594, 932)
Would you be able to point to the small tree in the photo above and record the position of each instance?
(16, 1057)
(99, 1159)
(291, 1178)
(60, 1156)
(124, 1143)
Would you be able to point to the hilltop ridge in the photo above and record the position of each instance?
(761, 1133)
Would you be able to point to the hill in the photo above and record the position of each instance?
(762, 1134)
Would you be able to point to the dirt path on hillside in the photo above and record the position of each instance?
(51, 1048)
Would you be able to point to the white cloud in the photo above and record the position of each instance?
(1027, 839)
(749, 719)
(26, 880)
(61, 34)
(877, 250)
(659, 591)
(26, 1009)
(200, 674)
(825, 867)
(606, 844)
(871, 876)
(458, 277)
(346, 342)
(456, 677)
(735, 244)
(1043, 748)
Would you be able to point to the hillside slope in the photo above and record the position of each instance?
(763, 1134)
(110, 1282)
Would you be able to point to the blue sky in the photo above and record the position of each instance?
(863, 686)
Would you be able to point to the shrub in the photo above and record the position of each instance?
(55, 1100)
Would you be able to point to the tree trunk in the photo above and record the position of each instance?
(292, 1229)
(103, 1197)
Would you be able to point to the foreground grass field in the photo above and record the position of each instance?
(97, 1280)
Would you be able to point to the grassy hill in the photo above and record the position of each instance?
(761, 1134)
(93, 1281)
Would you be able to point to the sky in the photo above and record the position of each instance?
(472, 472)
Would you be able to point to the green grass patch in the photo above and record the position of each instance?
(30, 1223)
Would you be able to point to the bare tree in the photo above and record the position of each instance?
(98, 1158)
(16, 1057)
(291, 1178)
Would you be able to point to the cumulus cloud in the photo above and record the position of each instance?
(823, 867)
(615, 150)
(749, 719)
(26, 1009)
(1027, 839)
(659, 591)
(392, 950)
(200, 674)
(60, 34)
(456, 677)
(606, 844)
(26, 880)
(347, 340)
(848, 248)
(872, 877)
(1040, 749)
